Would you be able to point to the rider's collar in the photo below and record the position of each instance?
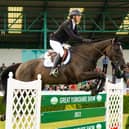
(73, 24)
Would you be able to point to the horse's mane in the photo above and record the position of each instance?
(77, 46)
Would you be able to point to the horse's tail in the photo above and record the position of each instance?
(4, 77)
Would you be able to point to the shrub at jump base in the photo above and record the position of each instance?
(126, 104)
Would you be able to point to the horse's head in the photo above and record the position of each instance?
(115, 53)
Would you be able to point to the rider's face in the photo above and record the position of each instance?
(77, 19)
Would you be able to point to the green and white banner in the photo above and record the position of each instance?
(52, 100)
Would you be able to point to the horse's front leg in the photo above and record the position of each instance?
(100, 79)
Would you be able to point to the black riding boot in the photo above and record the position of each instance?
(57, 61)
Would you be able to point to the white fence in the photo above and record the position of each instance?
(23, 104)
(114, 105)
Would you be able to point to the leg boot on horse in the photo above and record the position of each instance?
(99, 84)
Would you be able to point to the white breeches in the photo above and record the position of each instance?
(57, 47)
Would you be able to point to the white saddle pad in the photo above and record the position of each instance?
(48, 62)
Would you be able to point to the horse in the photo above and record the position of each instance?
(81, 66)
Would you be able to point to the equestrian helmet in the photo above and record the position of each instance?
(75, 13)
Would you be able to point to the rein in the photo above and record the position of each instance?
(81, 55)
(99, 51)
(102, 53)
(94, 49)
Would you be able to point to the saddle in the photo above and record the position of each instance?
(51, 54)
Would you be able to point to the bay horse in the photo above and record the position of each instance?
(84, 59)
(81, 67)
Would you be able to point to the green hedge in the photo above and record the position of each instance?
(2, 106)
(126, 104)
(127, 123)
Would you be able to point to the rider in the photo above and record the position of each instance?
(67, 30)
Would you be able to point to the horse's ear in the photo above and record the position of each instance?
(115, 41)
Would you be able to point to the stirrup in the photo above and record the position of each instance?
(54, 72)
